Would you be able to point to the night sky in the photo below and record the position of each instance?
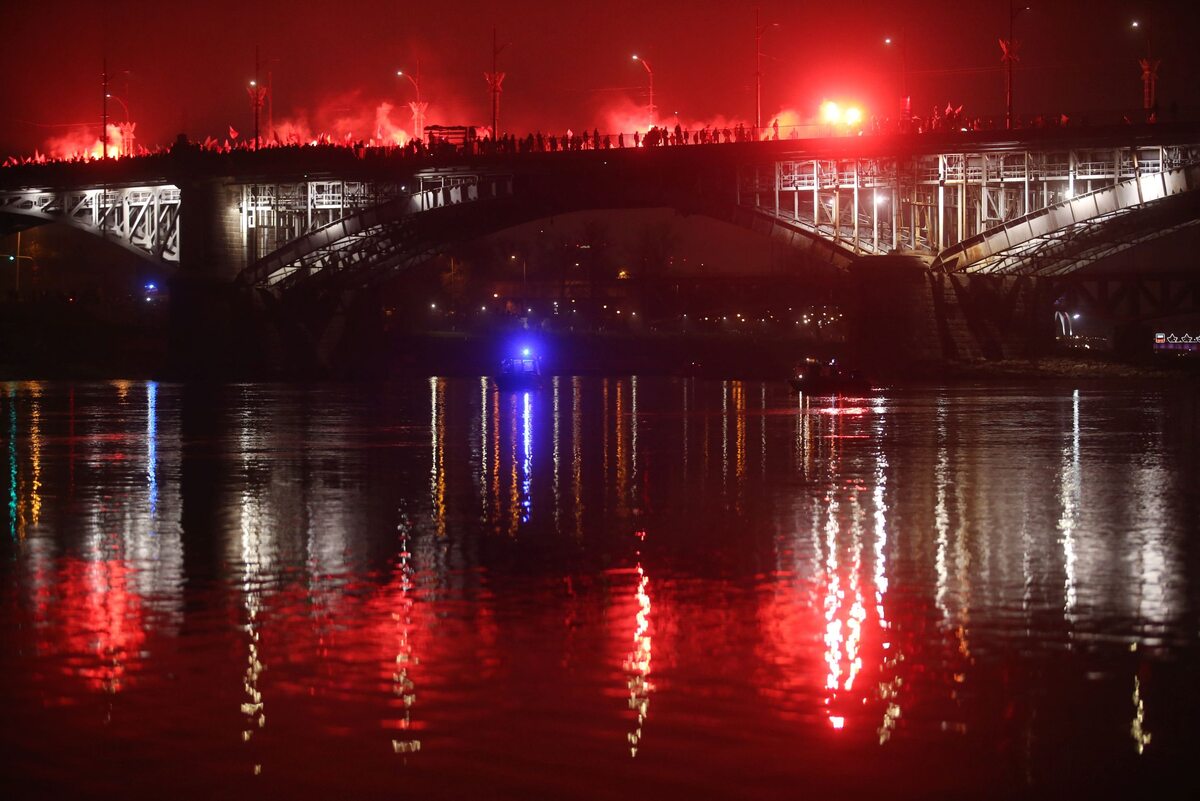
(185, 65)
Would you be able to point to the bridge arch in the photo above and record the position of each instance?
(380, 240)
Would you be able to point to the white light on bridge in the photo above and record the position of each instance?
(834, 114)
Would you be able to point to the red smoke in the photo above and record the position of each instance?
(83, 143)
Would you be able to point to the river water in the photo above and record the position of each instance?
(610, 588)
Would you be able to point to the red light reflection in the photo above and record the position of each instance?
(100, 620)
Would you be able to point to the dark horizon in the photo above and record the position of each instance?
(186, 69)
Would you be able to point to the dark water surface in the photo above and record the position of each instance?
(612, 588)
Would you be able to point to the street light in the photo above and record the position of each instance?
(650, 72)
(417, 108)
(523, 270)
(1149, 66)
(122, 102)
(257, 95)
(16, 261)
(1008, 51)
(126, 128)
(905, 98)
(759, 30)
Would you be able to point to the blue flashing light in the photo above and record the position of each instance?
(151, 287)
(526, 351)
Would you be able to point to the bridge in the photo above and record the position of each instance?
(297, 220)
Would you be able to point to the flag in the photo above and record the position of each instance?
(233, 134)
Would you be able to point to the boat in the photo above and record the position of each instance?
(819, 377)
(520, 373)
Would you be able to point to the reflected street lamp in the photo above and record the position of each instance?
(650, 72)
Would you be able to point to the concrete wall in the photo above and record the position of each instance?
(211, 241)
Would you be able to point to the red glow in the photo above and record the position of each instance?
(85, 144)
(101, 621)
(833, 113)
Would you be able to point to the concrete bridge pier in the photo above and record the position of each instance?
(217, 327)
(903, 314)
(891, 312)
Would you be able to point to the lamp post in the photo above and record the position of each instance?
(495, 82)
(418, 108)
(1008, 51)
(759, 30)
(513, 257)
(16, 259)
(650, 72)
(104, 112)
(257, 95)
(524, 283)
(126, 128)
(905, 98)
(1149, 66)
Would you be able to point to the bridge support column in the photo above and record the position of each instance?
(903, 314)
(214, 324)
(212, 239)
(892, 323)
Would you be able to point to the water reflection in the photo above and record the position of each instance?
(16, 523)
(946, 572)
(637, 663)
(403, 614)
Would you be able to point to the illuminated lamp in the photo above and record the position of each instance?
(831, 112)
(853, 116)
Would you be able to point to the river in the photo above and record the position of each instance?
(610, 588)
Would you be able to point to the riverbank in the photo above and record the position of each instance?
(1098, 368)
(96, 344)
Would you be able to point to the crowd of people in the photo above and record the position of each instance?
(442, 142)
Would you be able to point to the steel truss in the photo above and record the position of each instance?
(319, 231)
(143, 219)
(927, 204)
